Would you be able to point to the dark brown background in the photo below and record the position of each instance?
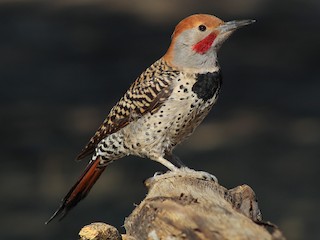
(63, 64)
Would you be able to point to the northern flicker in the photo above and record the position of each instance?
(163, 106)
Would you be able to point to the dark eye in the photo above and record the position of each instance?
(202, 28)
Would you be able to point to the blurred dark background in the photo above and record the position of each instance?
(63, 64)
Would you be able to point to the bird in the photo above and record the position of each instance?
(162, 107)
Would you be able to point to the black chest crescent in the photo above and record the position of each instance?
(207, 85)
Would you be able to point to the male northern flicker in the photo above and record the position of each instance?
(163, 106)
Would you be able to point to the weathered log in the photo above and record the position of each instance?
(188, 204)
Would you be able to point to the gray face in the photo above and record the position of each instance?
(186, 57)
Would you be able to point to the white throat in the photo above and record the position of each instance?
(185, 58)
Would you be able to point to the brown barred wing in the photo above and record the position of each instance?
(146, 95)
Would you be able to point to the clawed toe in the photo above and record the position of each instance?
(208, 176)
(157, 174)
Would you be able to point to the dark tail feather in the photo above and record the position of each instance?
(80, 190)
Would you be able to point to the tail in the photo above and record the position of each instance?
(79, 190)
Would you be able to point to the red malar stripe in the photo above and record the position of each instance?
(204, 45)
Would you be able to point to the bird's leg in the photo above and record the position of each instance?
(166, 163)
(174, 159)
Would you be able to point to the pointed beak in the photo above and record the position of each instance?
(234, 25)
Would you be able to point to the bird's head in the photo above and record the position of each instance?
(196, 40)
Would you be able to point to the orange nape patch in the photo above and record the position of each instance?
(204, 45)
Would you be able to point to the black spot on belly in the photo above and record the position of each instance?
(207, 85)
